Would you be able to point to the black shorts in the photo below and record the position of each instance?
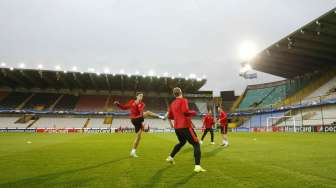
(138, 123)
(186, 134)
(224, 129)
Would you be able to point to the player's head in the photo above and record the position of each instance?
(220, 109)
(210, 112)
(177, 92)
(139, 96)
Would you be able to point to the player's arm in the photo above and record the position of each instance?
(123, 106)
(186, 111)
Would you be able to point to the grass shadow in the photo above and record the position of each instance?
(183, 181)
(39, 180)
(212, 153)
(155, 179)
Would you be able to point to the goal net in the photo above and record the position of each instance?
(283, 121)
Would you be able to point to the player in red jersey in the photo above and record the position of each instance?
(208, 123)
(180, 113)
(137, 114)
(223, 125)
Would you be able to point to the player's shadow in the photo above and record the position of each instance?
(183, 181)
(155, 179)
(32, 181)
(212, 152)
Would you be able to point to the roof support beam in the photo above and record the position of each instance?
(19, 83)
(318, 46)
(93, 82)
(34, 82)
(272, 70)
(303, 51)
(282, 67)
(107, 81)
(78, 82)
(64, 82)
(295, 61)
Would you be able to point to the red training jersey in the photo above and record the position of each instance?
(135, 109)
(208, 121)
(180, 113)
(223, 119)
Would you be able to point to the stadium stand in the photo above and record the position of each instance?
(192, 103)
(121, 99)
(155, 104)
(307, 64)
(60, 122)
(83, 103)
(10, 122)
(302, 88)
(324, 115)
(287, 92)
(68, 102)
(3, 94)
(13, 100)
(310, 90)
(325, 89)
(109, 106)
(156, 123)
(253, 97)
(260, 120)
(98, 123)
(121, 122)
(67, 99)
(41, 101)
(91, 103)
(263, 95)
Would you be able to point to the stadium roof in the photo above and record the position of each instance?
(52, 79)
(308, 49)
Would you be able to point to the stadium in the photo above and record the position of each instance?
(63, 127)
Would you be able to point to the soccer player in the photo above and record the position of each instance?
(137, 114)
(223, 126)
(208, 123)
(180, 113)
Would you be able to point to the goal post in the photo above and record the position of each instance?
(270, 121)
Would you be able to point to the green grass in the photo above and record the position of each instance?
(101, 160)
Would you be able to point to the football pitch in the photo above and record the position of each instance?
(102, 160)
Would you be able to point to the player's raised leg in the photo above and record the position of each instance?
(152, 114)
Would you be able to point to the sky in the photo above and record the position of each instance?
(199, 37)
